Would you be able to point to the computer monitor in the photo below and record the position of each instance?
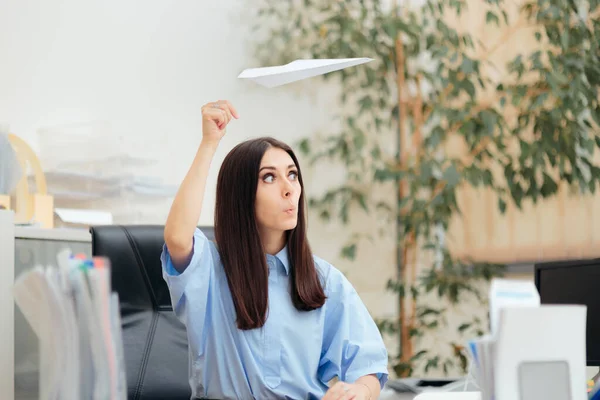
(574, 282)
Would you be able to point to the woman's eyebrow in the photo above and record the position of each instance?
(273, 168)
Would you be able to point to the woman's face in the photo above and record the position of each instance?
(278, 191)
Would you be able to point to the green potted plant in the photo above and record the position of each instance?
(525, 126)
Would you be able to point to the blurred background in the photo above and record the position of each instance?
(467, 149)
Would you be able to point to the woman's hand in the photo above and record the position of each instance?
(187, 205)
(347, 391)
(215, 117)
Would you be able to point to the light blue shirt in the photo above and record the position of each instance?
(294, 355)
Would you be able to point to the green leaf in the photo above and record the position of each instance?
(414, 291)
(376, 153)
(349, 252)
(435, 137)
(468, 87)
(517, 66)
(432, 324)
(402, 369)
(399, 288)
(491, 17)
(304, 146)
(488, 178)
(549, 187)
(413, 332)
(481, 83)
(426, 172)
(359, 139)
(489, 120)
(538, 36)
(385, 174)
(350, 122)
(418, 355)
(540, 100)
(525, 149)
(517, 194)
(564, 39)
(366, 104)
(596, 111)
(451, 176)
(467, 65)
(344, 211)
(464, 327)
(428, 311)
(502, 205)
(431, 363)
(556, 78)
(363, 202)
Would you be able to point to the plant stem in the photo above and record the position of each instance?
(404, 345)
(413, 277)
(507, 34)
(418, 118)
(412, 265)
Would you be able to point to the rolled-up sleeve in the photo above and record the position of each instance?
(197, 273)
(352, 344)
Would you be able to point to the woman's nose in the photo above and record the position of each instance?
(287, 189)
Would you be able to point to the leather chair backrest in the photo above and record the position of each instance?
(154, 340)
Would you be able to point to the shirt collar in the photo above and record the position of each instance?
(283, 257)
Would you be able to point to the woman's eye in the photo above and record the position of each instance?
(293, 175)
(268, 178)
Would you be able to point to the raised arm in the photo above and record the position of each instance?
(187, 205)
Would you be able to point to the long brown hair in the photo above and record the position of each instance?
(240, 247)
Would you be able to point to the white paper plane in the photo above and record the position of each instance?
(297, 70)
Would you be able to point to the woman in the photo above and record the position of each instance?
(265, 318)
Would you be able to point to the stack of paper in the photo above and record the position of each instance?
(533, 351)
(76, 318)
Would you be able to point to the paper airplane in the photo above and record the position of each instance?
(298, 70)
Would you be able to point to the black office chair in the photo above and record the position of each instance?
(154, 340)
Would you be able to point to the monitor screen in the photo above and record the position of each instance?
(574, 282)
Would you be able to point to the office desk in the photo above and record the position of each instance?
(389, 394)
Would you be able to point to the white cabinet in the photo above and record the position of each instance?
(7, 265)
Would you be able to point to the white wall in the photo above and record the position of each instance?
(147, 67)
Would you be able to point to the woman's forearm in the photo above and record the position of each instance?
(187, 205)
(372, 385)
